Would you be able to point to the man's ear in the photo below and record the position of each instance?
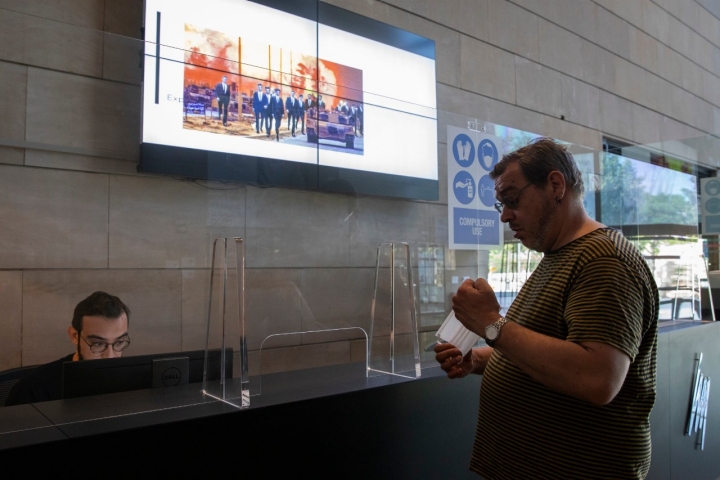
(73, 334)
(557, 182)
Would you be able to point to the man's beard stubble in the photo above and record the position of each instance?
(543, 227)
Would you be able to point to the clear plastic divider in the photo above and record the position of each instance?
(225, 377)
(394, 348)
(342, 359)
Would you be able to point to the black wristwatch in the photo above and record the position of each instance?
(492, 331)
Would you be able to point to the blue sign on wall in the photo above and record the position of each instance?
(473, 222)
(480, 227)
(710, 205)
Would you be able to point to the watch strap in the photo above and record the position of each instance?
(498, 324)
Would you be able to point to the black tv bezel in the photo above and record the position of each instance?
(269, 172)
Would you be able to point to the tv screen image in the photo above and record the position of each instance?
(322, 101)
(221, 97)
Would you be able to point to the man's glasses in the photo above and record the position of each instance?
(510, 202)
(100, 347)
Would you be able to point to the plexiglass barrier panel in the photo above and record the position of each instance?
(225, 377)
(328, 357)
(304, 319)
(394, 348)
(650, 193)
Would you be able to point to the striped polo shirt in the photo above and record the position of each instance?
(597, 288)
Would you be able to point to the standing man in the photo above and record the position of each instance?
(320, 103)
(266, 111)
(290, 108)
(354, 117)
(99, 329)
(310, 103)
(359, 119)
(300, 112)
(276, 110)
(222, 93)
(260, 101)
(569, 373)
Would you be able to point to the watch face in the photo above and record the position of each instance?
(491, 332)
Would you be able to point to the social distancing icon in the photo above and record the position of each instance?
(486, 191)
(713, 205)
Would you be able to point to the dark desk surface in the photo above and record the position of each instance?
(25, 425)
(78, 417)
(303, 426)
(82, 417)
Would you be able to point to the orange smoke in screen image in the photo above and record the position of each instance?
(208, 56)
(303, 73)
(274, 66)
(341, 81)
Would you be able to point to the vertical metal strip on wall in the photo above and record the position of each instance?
(157, 60)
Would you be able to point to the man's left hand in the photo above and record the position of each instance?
(475, 305)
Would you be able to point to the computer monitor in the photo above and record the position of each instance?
(112, 375)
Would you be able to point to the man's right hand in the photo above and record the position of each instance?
(452, 361)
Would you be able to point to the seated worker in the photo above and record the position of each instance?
(99, 329)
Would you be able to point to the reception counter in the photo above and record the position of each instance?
(329, 422)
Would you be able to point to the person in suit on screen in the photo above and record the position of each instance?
(260, 101)
(290, 109)
(277, 110)
(300, 113)
(354, 117)
(267, 115)
(222, 93)
(359, 120)
(310, 102)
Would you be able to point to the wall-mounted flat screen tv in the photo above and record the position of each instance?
(294, 93)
